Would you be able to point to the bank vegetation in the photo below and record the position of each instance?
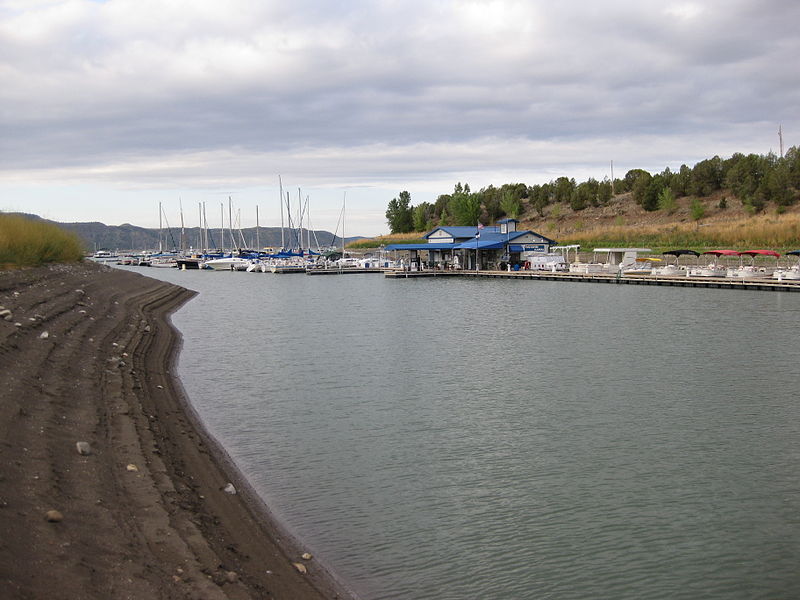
(29, 243)
(744, 201)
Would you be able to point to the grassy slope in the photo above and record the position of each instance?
(623, 223)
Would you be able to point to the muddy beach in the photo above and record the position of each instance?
(109, 486)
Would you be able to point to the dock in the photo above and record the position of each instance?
(764, 285)
(351, 271)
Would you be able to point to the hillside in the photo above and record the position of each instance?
(622, 222)
(725, 222)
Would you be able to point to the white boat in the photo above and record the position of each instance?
(790, 273)
(675, 270)
(228, 263)
(104, 255)
(752, 271)
(670, 271)
(642, 266)
(747, 272)
(257, 266)
(618, 260)
(713, 269)
(165, 263)
(543, 261)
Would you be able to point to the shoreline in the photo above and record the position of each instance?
(145, 513)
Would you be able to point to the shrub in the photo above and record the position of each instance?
(697, 210)
(28, 243)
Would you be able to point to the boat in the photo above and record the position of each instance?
(188, 262)
(713, 269)
(675, 270)
(104, 255)
(751, 271)
(544, 261)
(163, 261)
(790, 273)
(642, 266)
(617, 261)
(228, 263)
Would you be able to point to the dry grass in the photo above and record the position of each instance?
(775, 232)
(393, 238)
(28, 243)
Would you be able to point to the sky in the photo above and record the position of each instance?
(108, 108)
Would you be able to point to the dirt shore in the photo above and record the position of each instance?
(86, 356)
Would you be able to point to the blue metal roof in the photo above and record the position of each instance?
(431, 246)
(481, 243)
(462, 231)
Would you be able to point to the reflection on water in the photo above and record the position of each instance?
(511, 439)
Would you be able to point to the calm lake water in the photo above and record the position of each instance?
(453, 439)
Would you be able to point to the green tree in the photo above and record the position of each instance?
(680, 182)
(604, 192)
(697, 209)
(585, 194)
(564, 187)
(652, 192)
(666, 201)
(399, 214)
(792, 160)
(510, 205)
(707, 177)
(639, 186)
(490, 197)
(466, 208)
(423, 216)
(631, 177)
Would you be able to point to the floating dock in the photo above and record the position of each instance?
(764, 285)
(351, 271)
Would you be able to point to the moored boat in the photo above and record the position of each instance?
(713, 269)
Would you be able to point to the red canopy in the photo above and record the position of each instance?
(761, 253)
(723, 252)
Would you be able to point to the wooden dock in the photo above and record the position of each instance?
(764, 284)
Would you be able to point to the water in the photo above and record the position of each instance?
(510, 439)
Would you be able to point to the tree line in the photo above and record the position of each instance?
(754, 179)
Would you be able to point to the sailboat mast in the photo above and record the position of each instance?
(283, 242)
(222, 226)
(205, 228)
(183, 230)
(258, 232)
(160, 243)
(344, 203)
(230, 222)
(308, 225)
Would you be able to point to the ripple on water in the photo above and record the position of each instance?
(476, 439)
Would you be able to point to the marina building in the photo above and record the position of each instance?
(475, 247)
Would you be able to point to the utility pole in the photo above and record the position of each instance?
(780, 139)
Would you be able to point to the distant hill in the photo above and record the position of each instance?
(129, 237)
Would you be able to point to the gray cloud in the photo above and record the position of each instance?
(92, 87)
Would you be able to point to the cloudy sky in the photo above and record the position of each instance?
(109, 107)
